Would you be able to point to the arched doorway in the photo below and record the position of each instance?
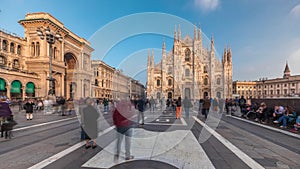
(69, 85)
(3, 91)
(205, 94)
(218, 95)
(187, 93)
(16, 90)
(170, 95)
(30, 88)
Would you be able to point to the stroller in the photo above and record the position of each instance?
(7, 127)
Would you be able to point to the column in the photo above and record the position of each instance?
(23, 92)
(8, 91)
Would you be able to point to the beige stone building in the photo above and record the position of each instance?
(121, 85)
(287, 86)
(103, 84)
(190, 69)
(24, 62)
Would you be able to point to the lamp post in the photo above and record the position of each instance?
(51, 37)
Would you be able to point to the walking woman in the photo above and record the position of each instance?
(29, 109)
(178, 108)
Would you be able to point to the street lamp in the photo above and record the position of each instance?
(51, 37)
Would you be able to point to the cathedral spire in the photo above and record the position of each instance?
(199, 33)
(152, 60)
(175, 33)
(224, 59)
(287, 72)
(149, 59)
(179, 33)
(212, 45)
(195, 32)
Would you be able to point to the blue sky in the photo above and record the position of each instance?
(262, 34)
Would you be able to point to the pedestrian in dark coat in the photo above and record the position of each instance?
(206, 106)
(28, 106)
(90, 123)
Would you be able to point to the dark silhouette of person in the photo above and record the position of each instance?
(90, 124)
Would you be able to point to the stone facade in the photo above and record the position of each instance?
(103, 85)
(26, 60)
(287, 86)
(190, 70)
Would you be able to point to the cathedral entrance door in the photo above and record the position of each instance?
(205, 94)
(170, 95)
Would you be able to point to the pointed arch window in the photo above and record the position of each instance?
(205, 81)
(205, 69)
(170, 82)
(187, 72)
(218, 81)
(187, 54)
(158, 82)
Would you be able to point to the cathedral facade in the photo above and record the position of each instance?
(190, 70)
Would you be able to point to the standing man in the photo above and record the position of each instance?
(29, 109)
(122, 118)
(105, 104)
(206, 106)
(187, 104)
(141, 107)
(152, 104)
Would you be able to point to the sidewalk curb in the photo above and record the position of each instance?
(267, 127)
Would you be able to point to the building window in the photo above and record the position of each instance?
(170, 82)
(37, 49)
(271, 86)
(285, 85)
(19, 50)
(206, 81)
(218, 81)
(278, 92)
(96, 82)
(187, 54)
(205, 69)
(278, 85)
(16, 64)
(4, 45)
(187, 72)
(12, 48)
(271, 92)
(2, 60)
(54, 53)
(293, 84)
(158, 82)
(32, 49)
(285, 91)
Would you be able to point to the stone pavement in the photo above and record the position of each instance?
(38, 117)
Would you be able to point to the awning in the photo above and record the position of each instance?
(2, 84)
(15, 87)
(30, 87)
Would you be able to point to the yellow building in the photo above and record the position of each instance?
(24, 62)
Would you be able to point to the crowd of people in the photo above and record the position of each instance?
(285, 116)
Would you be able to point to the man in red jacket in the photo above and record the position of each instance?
(123, 120)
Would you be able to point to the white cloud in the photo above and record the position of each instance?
(207, 5)
(295, 11)
(293, 61)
